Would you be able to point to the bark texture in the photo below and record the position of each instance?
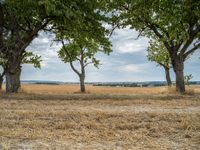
(168, 78)
(82, 74)
(82, 83)
(178, 65)
(1, 82)
(13, 80)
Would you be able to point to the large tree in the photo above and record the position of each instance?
(21, 20)
(82, 51)
(83, 42)
(176, 23)
(159, 54)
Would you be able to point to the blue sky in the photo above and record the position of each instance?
(127, 62)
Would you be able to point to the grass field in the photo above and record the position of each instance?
(105, 118)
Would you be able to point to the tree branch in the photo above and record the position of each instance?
(31, 35)
(78, 58)
(112, 30)
(163, 65)
(140, 34)
(192, 34)
(191, 51)
(70, 60)
(1, 27)
(74, 69)
(160, 36)
(28, 22)
(87, 64)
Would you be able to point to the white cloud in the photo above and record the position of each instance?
(43, 45)
(124, 41)
(134, 68)
(43, 40)
(126, 32)
(129, 47)
(43, 64)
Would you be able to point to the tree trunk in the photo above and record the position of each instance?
(13, 80)
(82, 75)
(1, 82)
(168, 78)
(178, 66)
(82, 83)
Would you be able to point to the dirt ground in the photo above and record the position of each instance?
(43, 120)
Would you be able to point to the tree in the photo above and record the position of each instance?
(28, 58)
(86, 37)
(21, 20)
(176, 23)
(83, 52)
(158, 53)
(187, 79)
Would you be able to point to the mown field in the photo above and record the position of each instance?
(105, 118)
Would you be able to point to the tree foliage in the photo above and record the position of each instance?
(82, 50)
(28, 58)
(86, 36)
(187, 79)
(159, 54)
(75, 49)
(31, 58)
(21, 20)
(176, 23)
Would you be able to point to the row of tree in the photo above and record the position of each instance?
(172, 25)
(21, 21)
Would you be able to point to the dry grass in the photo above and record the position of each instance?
(52, 117)
(66, 88)
(74, 88)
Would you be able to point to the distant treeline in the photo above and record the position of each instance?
(112, 84)
(140, 84)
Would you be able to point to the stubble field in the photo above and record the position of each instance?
(105, 118)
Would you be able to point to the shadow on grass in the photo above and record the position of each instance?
(92, 96)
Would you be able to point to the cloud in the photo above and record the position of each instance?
(124, 41)
(129, 47)
(43, 45)
(134, 68)
(42, 40)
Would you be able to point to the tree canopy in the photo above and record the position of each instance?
(72, 51)
(176, 23)
(83, 51)
(21, 20)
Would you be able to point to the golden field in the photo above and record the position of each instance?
(74, 88)
(105, 118)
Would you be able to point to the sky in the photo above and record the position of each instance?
(127, 62)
